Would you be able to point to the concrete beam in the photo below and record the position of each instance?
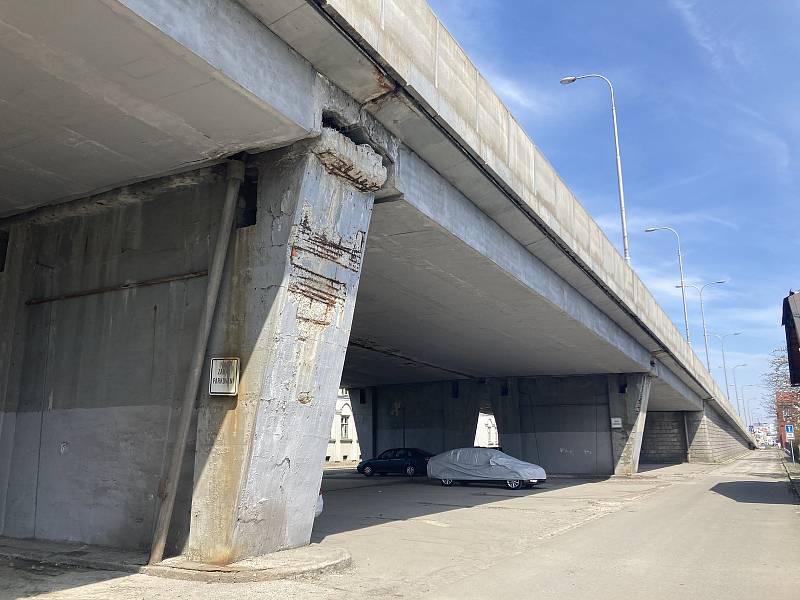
(144, 88)
(428, 192)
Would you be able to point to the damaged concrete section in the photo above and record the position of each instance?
(286, 312)
(358, 164)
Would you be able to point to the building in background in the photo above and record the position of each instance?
(486, 433)
(786, 411)
(791, 322)
(765, 434)
(343, 443)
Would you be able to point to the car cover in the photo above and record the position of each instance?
(482, 464)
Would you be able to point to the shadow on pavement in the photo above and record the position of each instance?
(29, 579)
(645, 467)
(757, 492)
(354, 502)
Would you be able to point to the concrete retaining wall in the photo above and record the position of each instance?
(711, 437)
(432, 416)
(92, 382)
(724, 440)
(562, 423)
(664, 439)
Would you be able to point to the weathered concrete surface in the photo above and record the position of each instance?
(560, 423)
(629, 397)
(686, 531)
(711, 437)
(664, 439)
(435, 416)
(286, 312)
(90, 380)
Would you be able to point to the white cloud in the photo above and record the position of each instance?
(638, 220)
(721, 50)
(522, 96)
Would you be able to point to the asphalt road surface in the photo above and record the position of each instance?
(684, 531)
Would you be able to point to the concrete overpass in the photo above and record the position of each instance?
(353, 150)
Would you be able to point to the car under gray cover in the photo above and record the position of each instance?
(483, 464)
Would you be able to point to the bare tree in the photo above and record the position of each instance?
(776, 379)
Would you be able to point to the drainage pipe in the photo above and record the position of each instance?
(235, 177)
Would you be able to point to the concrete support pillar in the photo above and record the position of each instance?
(628, 398)
(361, 400)
(286, 312)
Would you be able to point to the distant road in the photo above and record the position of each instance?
(730, 533)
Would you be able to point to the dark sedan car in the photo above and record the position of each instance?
(410, 461)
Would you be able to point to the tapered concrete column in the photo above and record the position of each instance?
(628, 398)
(286, 312)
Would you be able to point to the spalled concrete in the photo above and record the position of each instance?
(286, 311)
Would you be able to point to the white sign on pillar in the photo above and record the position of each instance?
(224, 377)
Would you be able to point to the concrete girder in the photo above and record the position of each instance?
(437, 263)
(102, 93)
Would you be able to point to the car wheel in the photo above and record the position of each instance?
(513, 484)
(411, 470)
(447, 482)
(368, 471)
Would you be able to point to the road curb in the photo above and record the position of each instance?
(287, 564)
(794, 478)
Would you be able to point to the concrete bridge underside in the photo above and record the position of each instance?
(390, 237)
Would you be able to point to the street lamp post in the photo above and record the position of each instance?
(724, 364)
(620, 187)
(703, 313)
(682, 285)
(746, 404)
(736, 389)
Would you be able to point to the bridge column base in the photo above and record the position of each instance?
(285, 311)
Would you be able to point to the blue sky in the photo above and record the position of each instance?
(707, 99)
